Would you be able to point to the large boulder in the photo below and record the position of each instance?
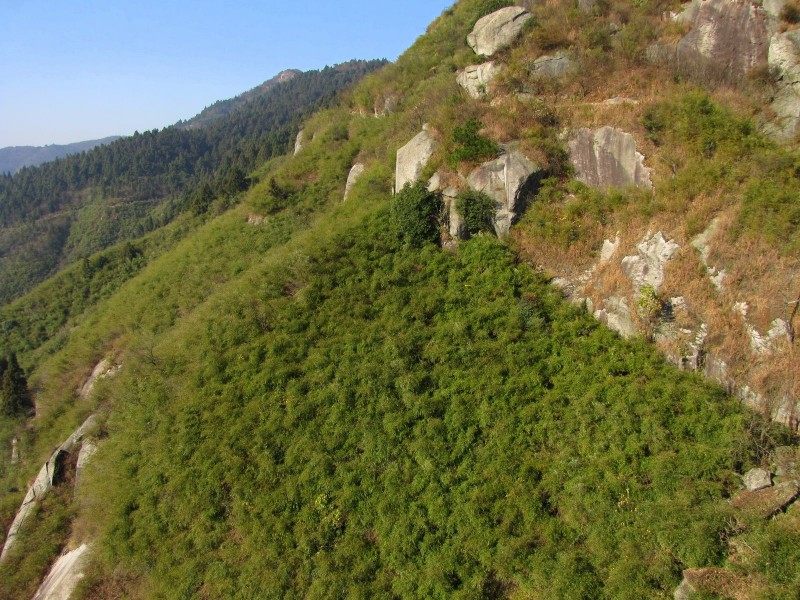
(646, 267)
(757, 479)
(477, 78)
(497, 30)
(413, 157)
(299, 142)
(552, 66)
(607, 157)
(508, 180)
(64, 575)
(355, 172)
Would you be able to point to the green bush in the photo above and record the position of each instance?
(415, 214)
(477, 209)
(471, 145)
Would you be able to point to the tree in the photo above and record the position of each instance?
(415, 213)
(15, 398)
(477, 209)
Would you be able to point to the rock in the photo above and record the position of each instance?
(685, 591)
(607, 157)
(64, 575)
(455, 224)
(497, 30)
(785, 66)
(355, 172)
(508, 180)
(757, 479)
(476, 78)
(609, 249)
(88, 450)
(14, 451)
(413, 157)
(773, 8)
(619, 100)
(728, 38)
(105, 368)
(647, 267)
(786, 462)
(715, 580)
(701, 243)
(552, 66)
(766, 502)
(255, 219)
(617, 316)
(298, 142)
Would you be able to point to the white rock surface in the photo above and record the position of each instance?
(497, 30)
(784, 64)
(355, 172)
(552, 66)
(647, 267)
(64, 575)
(413, 157)
(105, 368)
(88, 450)
(609, 249)
(617, 316)
(298, 142)
(757, 479)
(702, 243)
(477, 78)
(607, 157)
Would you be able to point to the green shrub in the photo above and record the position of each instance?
(477, 209)
(415, 214)
(471, 145)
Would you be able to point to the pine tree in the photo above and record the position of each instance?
(15, 398)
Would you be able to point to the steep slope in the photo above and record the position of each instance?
(375, 397)
(13, 158)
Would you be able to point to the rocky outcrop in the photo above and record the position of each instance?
(607, 157)
(88, 450)
(702, 243)
(646, 268)
(509, 180)
(355, 172)
(48, 477)
(298, 142)
(552, 66)
(616, 315)
(477, 78)
(413, 157)
(766, 502)
(785, 67)
(105, 368)
(64, 575)
(456, 228)
(757, 479)
(497, 30)
(763, 343)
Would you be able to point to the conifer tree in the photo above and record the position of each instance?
(15, 398)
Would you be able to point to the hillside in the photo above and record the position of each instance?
(502, 325)
(13, 158)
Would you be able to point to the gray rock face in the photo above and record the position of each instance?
(14, 451)
(88, 450)
(647, 266)
(617, 316)
(497, 30)
(784, 64)
(477, 78)
(105, 368)
(298, 142)
(728, 38)
(786, 460)
(767, 501)
(64, 576)
(355, 172)
(413, 157)
(685, 591)
(607, 157)
(757, 479)
(552, 66)
(508, 180)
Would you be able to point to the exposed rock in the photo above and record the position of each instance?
(773, 8)
(786, 462)
(607, 157)
(390, 104)
(757, 479)
(766, 502)
(14, 451)
(105, 368)
(455, 224)
(64, 576)
(617, 316)
(497, 30)
(728, 38)
(609, 249)
(702, 244)
(619, 100)
(88, 450)
(785, 66)
(715, 580)
(586, 5)
(508, 180)
(763, 344)
(255, 219)
(298, 142)
(552, 66)
(413, 157)
(46, 478)
(476, 78)
(647, 267)
(355, 172)
(685, 591)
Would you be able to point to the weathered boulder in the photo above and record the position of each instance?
(508, 180)
(552, 66)
(766, 502)
(609, 249)
(298, 142)
(617, 316)
(607, 157)
(88, 450)
(105, 368)
(413, 157)
(728, 38)
(355, 172)
(647, 266)
(757, 479)
(476, 78)
(14, 451)
(64, 575)
(497, 30)
(785, 67)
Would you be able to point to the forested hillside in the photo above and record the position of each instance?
(355, 379)
(65, 210)
(14, 158)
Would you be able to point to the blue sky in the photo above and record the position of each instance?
(84, 69)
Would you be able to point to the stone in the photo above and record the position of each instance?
(785, 67)
(609, 249)
(702, 244)
(757, 479)
(728, 38)
(497, 30)
(455, 224)
(552, 66)
(105, 368)
(14, 451)
(356, 171)
(64, 575)
(685, 591)
(509, 180)
(255, 219)
(620, 101)
(647, 267)
(617, 316)
(766, 502)
(413, 157)
(717, 581)
(477, 78)
(299, 142)
(786, 462)
(607, 157)
(88, 450)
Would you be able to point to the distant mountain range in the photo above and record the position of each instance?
(13, 158)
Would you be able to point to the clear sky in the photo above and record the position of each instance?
(73, 70)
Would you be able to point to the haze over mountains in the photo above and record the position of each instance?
(13, 158)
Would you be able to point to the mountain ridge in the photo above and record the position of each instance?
(14, 158)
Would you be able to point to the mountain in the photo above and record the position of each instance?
(503, 325)
(13, 158)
